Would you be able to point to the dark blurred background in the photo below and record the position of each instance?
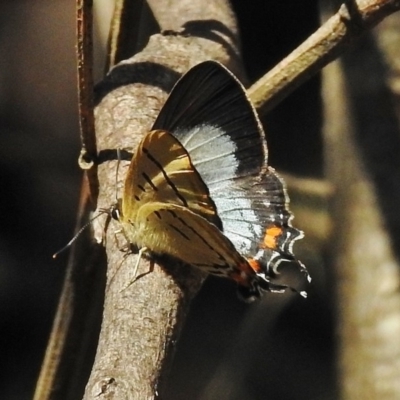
(40, 178)
(290, 355)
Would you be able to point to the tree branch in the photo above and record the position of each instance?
(354, 18)
(362, 148)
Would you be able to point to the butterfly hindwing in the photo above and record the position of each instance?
(186, 236)
(256, 219)
(177, 231)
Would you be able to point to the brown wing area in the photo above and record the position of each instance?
(161, 171)
(175, 230)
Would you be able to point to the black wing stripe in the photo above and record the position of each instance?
(180, 232)
(149, 181)
(183, 222)
(170, 183)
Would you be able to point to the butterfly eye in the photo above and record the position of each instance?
(115, 214)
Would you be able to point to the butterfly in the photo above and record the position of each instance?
(199, 189)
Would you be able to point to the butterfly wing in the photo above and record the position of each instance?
(256, 219)
(209, 112)
(167, 209)
(161, 170)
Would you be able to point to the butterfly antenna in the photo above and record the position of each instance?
(117, 173)
(102, 211)
(55, 255)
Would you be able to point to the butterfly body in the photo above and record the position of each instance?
(199, 189)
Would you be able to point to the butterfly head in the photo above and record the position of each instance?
(115, 211)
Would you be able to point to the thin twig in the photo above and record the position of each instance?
(84, 18)
(63, 368)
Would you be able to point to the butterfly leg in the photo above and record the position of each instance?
(151, 269)
(135, 270)
(116, 234)
(141, 251)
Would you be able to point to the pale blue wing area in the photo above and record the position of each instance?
(248, 209)
(209, 113)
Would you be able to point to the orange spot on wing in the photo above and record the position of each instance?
(270, 236)
(255, 265)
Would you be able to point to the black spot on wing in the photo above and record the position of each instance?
(157, 214)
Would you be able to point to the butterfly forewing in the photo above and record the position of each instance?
(161, 170)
